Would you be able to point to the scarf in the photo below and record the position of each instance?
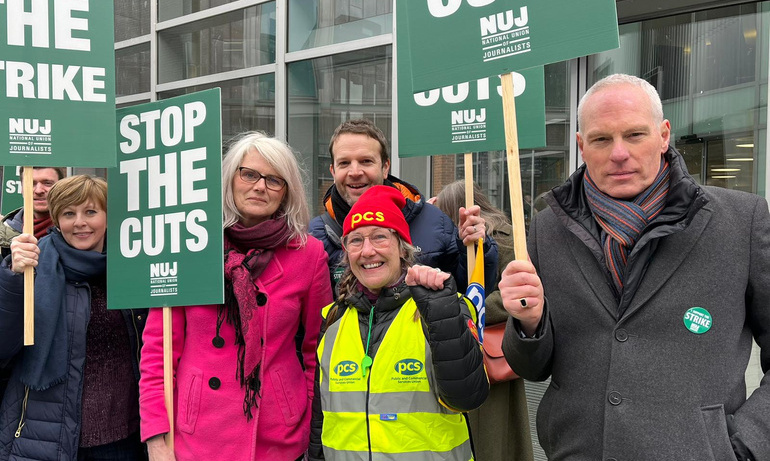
(46, 363)
(248, 251)
(42, 225)
(622, 221)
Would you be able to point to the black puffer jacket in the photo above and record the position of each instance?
(457, 358)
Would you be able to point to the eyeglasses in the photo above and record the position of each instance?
(354, 242)
(252, 177)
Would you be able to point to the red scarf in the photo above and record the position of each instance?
(248, 251)
(42, 225)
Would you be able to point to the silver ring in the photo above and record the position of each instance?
(474, 229)
(437, 269)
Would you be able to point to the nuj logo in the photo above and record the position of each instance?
(503, 22)
(163, 270)
(460, 117)
(29, 126)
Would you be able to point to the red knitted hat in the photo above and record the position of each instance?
(379, 206)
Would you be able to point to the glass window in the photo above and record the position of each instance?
(248, 104)
(324, 92)
(231, 41)
(706, 67)
(132, 19)
(132, 70)
(326, 22)
(541, 169)
(170, 9)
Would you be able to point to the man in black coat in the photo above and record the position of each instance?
(642, 297)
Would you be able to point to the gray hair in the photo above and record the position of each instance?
(280, 157)
(623, 79)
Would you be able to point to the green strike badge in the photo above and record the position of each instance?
(697, 320)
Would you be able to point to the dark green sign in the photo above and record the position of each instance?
(461, 40)
(57, 83)
(165, 241)
(11, 195)
(466, 117)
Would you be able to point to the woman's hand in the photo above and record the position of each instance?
(472, 225)
(158, 450)
(429, 277)
(24, 252)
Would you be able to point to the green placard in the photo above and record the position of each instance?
(11, 195)
(165, 241)
(57, 83)
(467, 117)
(464, 40)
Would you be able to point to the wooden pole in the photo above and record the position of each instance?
(514, 169)
(29, 272)
(168, 374)
(470, 250)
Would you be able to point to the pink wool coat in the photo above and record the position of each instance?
(208, 400)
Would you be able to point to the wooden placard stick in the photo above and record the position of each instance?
(29, 272)
(470, 250)
(514, 169)
(168, 374)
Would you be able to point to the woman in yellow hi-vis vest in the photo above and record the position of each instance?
(399, 360)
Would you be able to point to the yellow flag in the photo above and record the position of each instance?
(475, 291)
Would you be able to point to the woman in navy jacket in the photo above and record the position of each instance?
(73, 395)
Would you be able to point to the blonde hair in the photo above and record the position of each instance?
(281, 158)
(74, 191)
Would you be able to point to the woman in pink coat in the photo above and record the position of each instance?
(242, 390)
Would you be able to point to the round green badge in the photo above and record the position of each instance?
(697, 320)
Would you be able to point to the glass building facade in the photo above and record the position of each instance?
(297, 68)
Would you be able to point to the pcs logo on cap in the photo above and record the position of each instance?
(366, 218)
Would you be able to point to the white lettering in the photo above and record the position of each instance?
(65, 24)
(18, 19)
(53, 81)
(438, 9)
(191, 175)
(148, 235)
(451, 96)
(503, 21)
(133, 136)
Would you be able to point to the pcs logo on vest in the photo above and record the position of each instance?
(346, 368)
(408, 367)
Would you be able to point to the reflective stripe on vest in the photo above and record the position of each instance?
(395, 408)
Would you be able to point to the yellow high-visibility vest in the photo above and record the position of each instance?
(394, 411)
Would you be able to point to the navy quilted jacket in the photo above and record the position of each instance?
(51, 429)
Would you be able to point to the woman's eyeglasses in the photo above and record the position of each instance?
(354, 242)
(252, 177)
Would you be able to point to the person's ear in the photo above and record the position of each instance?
(665, 133)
